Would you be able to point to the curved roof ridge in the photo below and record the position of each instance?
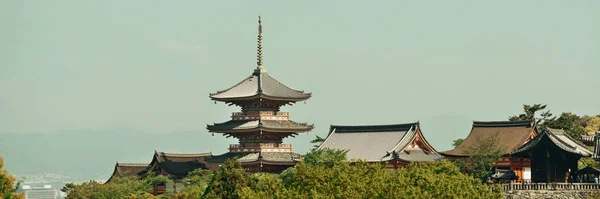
(132, 163)
(564, 133)
(184, 154)
(503, 123)
(373, 128)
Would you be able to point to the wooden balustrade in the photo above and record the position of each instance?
(550, 186)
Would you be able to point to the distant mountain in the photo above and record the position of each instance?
(82, 156)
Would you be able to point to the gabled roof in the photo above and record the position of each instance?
(177, 164)
(127, 170)
(558, 138)
(375, 143)
(511, 134)
(240, 125)
(260, 84)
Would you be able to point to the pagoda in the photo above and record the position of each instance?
(260, 127)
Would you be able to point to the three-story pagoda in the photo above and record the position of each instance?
(260, 127)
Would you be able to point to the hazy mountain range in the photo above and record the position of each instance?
(91, 155)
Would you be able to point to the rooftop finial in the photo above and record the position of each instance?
(259, 50)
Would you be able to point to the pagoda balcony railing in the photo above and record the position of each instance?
(265, 115)
(264, 147)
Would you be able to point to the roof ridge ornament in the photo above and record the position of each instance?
(259, 62)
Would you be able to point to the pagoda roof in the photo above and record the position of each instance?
(250, 157)
(375, 143)
(556, 137)
(260, 85)
(241, 125)
(127, 170)
(177, 164)
(511, 135)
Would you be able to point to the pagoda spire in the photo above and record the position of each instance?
(259, 47)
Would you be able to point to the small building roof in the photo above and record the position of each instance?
(177, 164)
(511, 134)
(375, 143)
(276, 125)
(556, 137)
(260, 85)
(127, 170)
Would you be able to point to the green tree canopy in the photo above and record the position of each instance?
(457, 142)
(529, 113)
(484, 155)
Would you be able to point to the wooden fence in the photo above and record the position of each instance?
(550, 186)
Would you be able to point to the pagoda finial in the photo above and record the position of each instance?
(259, 48)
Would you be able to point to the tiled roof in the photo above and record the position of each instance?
(179, 164)
(127, 169)
(558, 138)
(246, 157)
(260, 84)
(265, 124)
(418, 156)
(376, 143)
(511, 134)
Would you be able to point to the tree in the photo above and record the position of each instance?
(195, 184)
(570, 123)
(483, 157)
(358, 179)
(530, 115)
(228, 181)
(592, 125)
(325, 156)
(7, 183)
(317, 141)
(457, 142)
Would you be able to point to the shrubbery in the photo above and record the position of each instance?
(322, 174)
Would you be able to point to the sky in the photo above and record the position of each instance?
(148, 66)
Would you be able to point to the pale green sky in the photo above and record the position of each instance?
(149, 65)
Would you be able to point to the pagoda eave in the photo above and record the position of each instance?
(260, 96)
(263, 129)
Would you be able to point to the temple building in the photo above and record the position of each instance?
(176, 166)
(394, 145)
(123, 170)
(553, 154)
(511, 135)
(260, 127)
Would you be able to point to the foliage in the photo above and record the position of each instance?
(530, 115)
(457, 142)
(570, 123)
(484, 155)
(317, 141)
(325, 157)
(7, 183)
(195, 184)
(228, 181)
(117, 188)
(129, 187)
(343, 179)
(592, 125)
